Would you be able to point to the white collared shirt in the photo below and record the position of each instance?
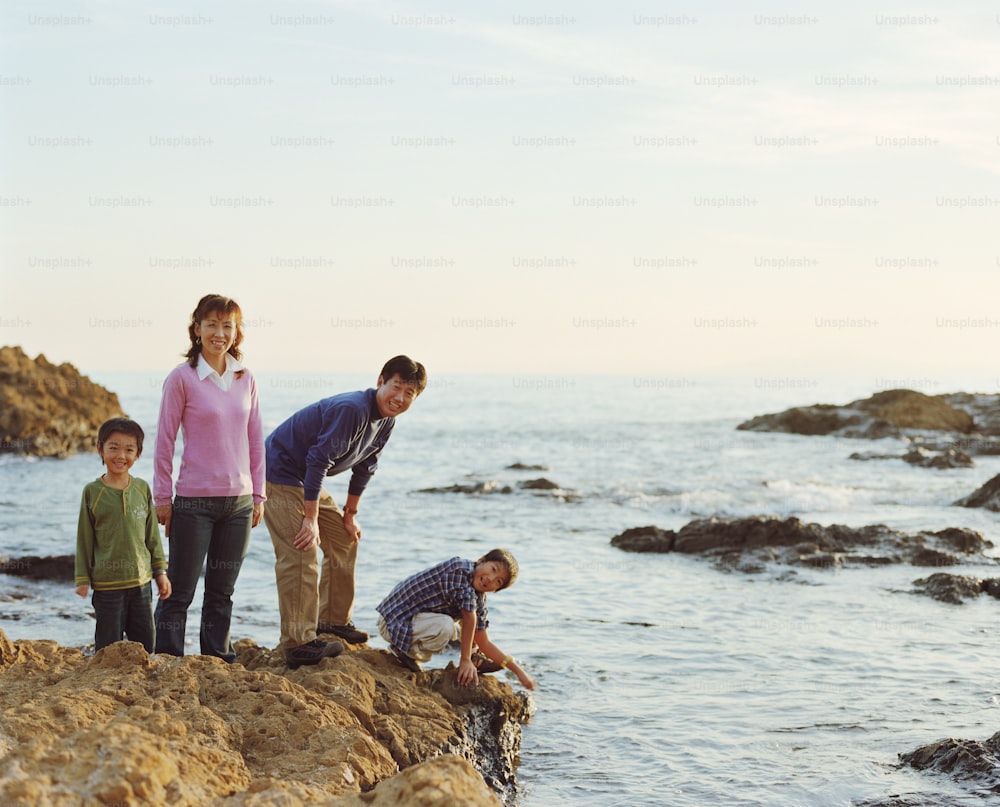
(223, 382)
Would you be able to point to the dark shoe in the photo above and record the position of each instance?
(407, 661)
(311, 653)
(348, 632)
(484, 664)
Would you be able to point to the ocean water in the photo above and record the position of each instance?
(661, 680)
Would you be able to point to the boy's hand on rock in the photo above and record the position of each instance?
(467, 675)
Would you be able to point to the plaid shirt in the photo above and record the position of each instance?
(443, 589)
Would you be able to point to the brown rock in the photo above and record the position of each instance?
(444, 781)
(986, 495)
(645, 539)
(950, 588)
(53, 567)
(885, 414)
(745, 544)
(907, 409)
(538, 484)
(128, 728)
(49, 410)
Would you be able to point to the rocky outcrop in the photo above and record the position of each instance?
(748, 544)
(540, 487)
(923, 457)
(972, 761)
(987, 495)
(128, 728)
(538, 484)
(896, 413)
(973, 764)
(49, 410)
(955, 589)
(54, 567)
(472, 488)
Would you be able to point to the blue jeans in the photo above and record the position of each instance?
(216, 528)
(125, 612)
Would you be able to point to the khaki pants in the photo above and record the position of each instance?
(431, 634)
(310, 590)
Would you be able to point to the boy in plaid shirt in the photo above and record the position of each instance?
(448, 601)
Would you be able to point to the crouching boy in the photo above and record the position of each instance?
(426, 611)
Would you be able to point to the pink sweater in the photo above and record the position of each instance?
(223, 438)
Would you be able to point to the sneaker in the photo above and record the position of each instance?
(348, 632)
(484, 664)
(311, 653)
(407, 661)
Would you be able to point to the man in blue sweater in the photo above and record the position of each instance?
(344, 432)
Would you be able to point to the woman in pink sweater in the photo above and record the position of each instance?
(212, 399)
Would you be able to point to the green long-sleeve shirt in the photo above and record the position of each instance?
(117, 539)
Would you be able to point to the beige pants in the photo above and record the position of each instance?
(431, 634)
(310, 590)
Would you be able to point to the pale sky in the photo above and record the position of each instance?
(573, 188)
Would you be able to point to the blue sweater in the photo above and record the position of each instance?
(328, 437)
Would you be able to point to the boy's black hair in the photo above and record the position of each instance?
(408, 370)
(123, 425)
(507, 559)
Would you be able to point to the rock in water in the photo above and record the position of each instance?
(53, 567)
(48, 410)
(987, 496)
(886, 414)
(747, 543)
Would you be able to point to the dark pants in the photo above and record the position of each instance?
(125, 612)
(216, 528)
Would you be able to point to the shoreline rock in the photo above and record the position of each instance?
(49, 410)
(126, 727)
(970, 421)
(61, 568)
(973, 764)
(986, 495)
(538, 487)
(923, 457)
(955, 589)
(750, 544)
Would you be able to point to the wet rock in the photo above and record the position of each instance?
(474, 488)
(49, 410)
(984, 409)
(493, 715)
(129, 728)
(891, 413)
(950, 588)
(60, 568)
(968, 761)
(987, 495)
(520, 466)
(949, 458)
(645, 539)
(923, 457)
(741, 543)
(538, 484)
(909, 800)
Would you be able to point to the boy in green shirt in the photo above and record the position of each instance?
(118, 549)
